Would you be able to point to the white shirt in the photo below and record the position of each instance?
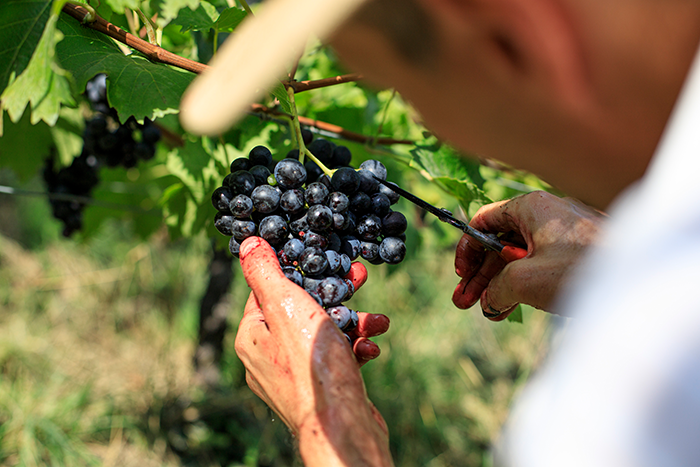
(623, 388)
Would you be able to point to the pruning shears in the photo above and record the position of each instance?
(489, 241)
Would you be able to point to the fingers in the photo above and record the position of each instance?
(370, 325)
(468, 257)
(365, 350)
(470, 288)
(261, 268)
(357, 274)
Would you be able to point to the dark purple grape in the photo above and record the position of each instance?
(350, 246)
(241, 206)
(380, 205)
(333, 261)
(368, 184)
(312, 284)
(375, 167)
(299, 226)
(325, 180)
(351, 289)
(313, 261)
(224, 223)
(345, 265)
(394, 224)
(289, 173)
(243, 229)
(332, 291)
(339, 221)
(274, 229)
(150, 134)
(369, 251)
(391, 194)
(293, 275)
(319, 217)
(241, 182)
(360, 203)
(221, 198)
(293, 154)
(260, 155)
(265, 198)
(341, 157)
(242, 163)
(313, 171)
(340, 315)
(260, 173)
(234, 247)
(292, 201)
(312, 238)
(369, 227)
(307, 136)
(392, 250)
(354, 321)
(316, 193)
(334, 242)
(345, 180)
(322, 149)
(144, 151)
(293, 249)
(338, 202)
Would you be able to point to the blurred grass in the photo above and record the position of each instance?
(97, 340)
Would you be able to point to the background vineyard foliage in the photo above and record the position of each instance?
(98, 331)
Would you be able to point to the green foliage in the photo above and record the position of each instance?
(206, 17)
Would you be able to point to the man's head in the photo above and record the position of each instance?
(577, 91)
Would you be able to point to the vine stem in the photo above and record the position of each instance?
(246, 7)
(300, 86)
(303, 150)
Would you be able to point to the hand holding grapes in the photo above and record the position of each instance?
(556, 231)
(298, 361)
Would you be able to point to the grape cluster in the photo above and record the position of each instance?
(316, 224)
(105, 142)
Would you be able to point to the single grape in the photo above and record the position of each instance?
(334, 242)
(221, 198)
(260, 155)
(394, 224)
(380, 204)
(150, 133)
(224, 223)
(289, 173)
(319, 217)
(368, 184)
(243, 229)
(241, 206)
(322, 149)
(313, 261)
(307, 136)
(392, 250)
(292, 201)
(299, 226)
(369, 251)
(345, 265)
(316, 193)
(234, 247)
(293, 249)
(350, 246)
(341, 157)
(369, 227)
(265, 198)
(312, 284)
(360, 203)
(345, 180)
(274, 229)
(338, 202)
(241, 182)
(313, 171)
(391, 194)
(312, 238)
(340, 315)
(293, 154)
(293, 275)
(260, 173)
(332, 291)
(242, 163)
(375, 167)
(333, 261)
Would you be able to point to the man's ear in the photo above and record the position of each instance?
(532, 41)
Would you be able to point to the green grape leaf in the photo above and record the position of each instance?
(21, 25)
(135, 86)
(206, 17)
(229, 19)
(200, 19)
(24, 146)
(42, 84)
(457, 175)
(118, 6)
(516, 316)
(281, 94)
(170, 9)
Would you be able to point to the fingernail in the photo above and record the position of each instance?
(491, 313)
(248, 245)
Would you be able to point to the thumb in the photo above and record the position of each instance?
(261, 269)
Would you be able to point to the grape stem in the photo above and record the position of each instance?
(300, 86)
(150, 27)
(296, 127)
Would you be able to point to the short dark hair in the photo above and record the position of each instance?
(406, 25)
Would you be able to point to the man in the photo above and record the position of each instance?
(579, 92)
